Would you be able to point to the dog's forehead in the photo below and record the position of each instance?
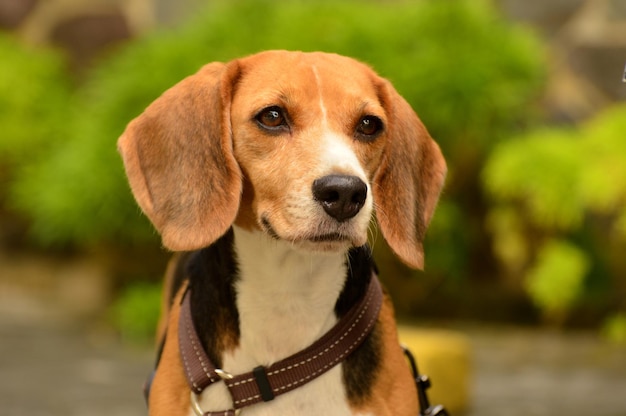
(295, 76)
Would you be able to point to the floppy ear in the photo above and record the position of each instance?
(408, 181)
(179, 159)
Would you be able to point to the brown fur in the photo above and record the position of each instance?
(183, 140)
(170, 394)
(408, 180)
(394, 387)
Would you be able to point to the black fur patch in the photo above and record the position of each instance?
(212, 273)
(361, 367)
(180, 275)
(360, 266)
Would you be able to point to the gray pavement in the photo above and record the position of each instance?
(54, 366)
(542, 373)
(52, 370)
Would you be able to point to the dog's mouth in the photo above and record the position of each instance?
(330, 237)
(267, 227)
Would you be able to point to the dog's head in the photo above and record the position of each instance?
(303, 147)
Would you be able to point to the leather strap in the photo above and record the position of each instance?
(264, 383)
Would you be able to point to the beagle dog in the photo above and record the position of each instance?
(264, 175)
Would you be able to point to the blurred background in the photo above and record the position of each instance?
(525, 276)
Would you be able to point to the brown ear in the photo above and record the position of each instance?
(408, 181)
(179, 160)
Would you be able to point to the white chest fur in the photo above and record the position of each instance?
(285, 299)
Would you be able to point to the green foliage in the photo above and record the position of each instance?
(446, 234)
(556, 280)
(78, 194)
(136, 311)
(469, 74)
(544, 171)
(34, 100)
(561, 182)
(510, 244)
(614, 329)
(560, 174)
(603, 186)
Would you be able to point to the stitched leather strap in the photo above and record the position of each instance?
(199, 369)
(264, 383)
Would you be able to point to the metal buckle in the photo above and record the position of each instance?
(422, 383)
(195, 405)
(224, 375)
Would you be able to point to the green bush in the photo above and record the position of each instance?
(34, 101)
(135, 312)
(555, 281)
(567, 184)
(469, 74)
(615, 328)
(545, 170)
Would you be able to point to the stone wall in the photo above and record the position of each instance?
(587, 46)
(86, 28)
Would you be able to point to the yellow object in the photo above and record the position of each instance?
(445, 357)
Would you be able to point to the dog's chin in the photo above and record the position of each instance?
(332, 241)
(325, 245)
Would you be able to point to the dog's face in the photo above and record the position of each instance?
(308, 142)
(303, 147)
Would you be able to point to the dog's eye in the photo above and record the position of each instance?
(369, 127)
(272, 118)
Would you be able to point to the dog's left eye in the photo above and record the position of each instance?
(369, 127)
(272, 118)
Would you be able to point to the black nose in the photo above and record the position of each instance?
(341, 196)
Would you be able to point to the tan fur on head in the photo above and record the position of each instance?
(192, 158)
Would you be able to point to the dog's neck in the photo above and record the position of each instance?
(286, 297)
(256, 300)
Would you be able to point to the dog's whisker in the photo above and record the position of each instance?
(347, 257)
(372, 233)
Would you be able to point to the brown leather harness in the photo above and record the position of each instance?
(263, 384)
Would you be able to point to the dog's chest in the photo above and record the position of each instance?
(285, 302)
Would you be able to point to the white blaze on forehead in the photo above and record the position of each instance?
(318, 83)
(337, 156)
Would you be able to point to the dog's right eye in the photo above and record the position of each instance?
(272, 118)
